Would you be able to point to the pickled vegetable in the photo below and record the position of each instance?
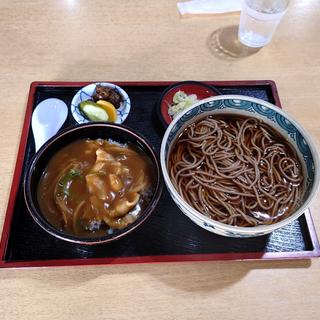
(109, 108)
(93, 111)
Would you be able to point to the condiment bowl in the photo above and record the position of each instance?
(94, 130)
(200, 89)
(276, 118)
(87, 92)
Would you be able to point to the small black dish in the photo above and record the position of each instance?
(201, 89)
(93, 130)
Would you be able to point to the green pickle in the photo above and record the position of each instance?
(92, 111)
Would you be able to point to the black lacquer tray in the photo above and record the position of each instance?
(167, 235)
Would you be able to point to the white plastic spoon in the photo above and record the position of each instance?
(47, 118)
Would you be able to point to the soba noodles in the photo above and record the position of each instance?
(236, 170)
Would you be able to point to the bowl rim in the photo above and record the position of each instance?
(54, 231)
(123, 93)
(244, 230)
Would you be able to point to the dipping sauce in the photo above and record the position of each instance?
(92, 187)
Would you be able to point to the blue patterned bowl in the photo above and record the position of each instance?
(86, 94)
(274, 117)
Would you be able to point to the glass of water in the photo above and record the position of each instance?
(259, 19)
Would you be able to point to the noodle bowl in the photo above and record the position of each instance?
(239, 166)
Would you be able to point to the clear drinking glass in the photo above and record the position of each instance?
(259, 19)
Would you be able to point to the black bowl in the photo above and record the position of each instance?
(93, 130)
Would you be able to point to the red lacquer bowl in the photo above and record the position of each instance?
(202, 90)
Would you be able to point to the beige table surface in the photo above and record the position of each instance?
(120, 40)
